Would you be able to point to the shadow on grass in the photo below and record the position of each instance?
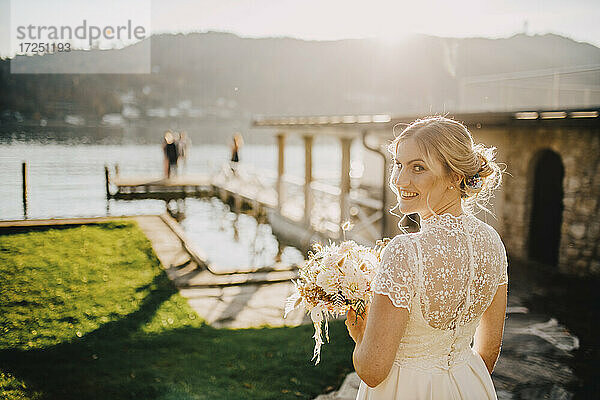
(120, 361)
(7, 230)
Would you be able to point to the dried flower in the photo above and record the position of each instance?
(346, 226)
(333, 280)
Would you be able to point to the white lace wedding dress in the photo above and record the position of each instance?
(446, 275)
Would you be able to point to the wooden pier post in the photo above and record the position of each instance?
(24, 175)
(345, 180)
(106, 181)
(385, 176)
(280, 169)
(308, 141)
(237, 203)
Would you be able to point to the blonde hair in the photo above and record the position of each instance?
(451, 144)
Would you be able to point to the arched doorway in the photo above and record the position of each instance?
(546, 207)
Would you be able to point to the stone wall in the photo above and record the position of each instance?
(578, 148)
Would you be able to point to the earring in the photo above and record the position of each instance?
(451, 187)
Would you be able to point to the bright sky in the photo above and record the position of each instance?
(333, 19)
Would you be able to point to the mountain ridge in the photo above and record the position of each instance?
(231, 78)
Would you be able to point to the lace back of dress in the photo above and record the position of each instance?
(458, 270)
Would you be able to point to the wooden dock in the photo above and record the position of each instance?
(233, 190)
(130, 188)
(282, 205)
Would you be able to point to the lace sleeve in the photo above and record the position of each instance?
(395, 276)
(503, 263)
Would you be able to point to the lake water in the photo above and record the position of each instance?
(67, 180)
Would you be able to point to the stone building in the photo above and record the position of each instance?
(547, 207)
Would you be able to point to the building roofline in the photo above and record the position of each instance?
(527, 117)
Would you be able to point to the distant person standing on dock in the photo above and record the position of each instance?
(164, 149)
(238, 141)
(171, 154)
(184, 143)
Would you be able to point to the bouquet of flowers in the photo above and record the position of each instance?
(334, 279)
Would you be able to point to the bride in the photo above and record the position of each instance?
(439, 288)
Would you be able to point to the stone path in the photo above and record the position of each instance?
(224, 300)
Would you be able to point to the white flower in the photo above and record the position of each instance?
(347, 246)
(329, 280)
(331, 259)
(354, 284)
(369, 265)
(370, 260)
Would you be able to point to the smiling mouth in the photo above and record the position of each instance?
(408, 195)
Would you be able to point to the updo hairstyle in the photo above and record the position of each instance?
(451, 144)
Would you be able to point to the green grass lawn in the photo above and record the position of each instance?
(87, 313)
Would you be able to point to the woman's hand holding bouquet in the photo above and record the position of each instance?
(335, 279)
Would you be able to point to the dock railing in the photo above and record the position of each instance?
(258, 188)
(366, 213)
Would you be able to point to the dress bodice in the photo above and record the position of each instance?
(427, 348)
(446, 275)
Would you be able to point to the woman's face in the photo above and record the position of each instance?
(415, 182)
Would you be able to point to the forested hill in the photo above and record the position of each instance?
(226, 76)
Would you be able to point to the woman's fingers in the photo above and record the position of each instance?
(351, 317)
(351, 314)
